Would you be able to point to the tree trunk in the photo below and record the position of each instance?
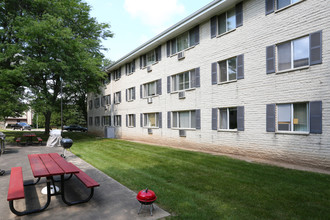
(47, 115)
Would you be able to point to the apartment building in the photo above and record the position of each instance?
(244, 77)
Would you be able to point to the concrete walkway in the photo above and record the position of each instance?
(110, 201)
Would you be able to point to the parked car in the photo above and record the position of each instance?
(74, 128)
(21, 126)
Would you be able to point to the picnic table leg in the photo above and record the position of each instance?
(34, 183)
(18, 213)
(75, 202)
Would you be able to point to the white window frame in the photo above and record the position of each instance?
(175, 81)
(130, 94)
(177, 113)
(146, 121)
(292, 117)
(228, 120)
(146, 89)
(227, 68)
(129, 68)
(131, 121)
(116, 98)
(177, 42)
(97, 102)
(97, 121)
(226, 22)
(106, 122)
(117, 121)
(116, 75)
(292, 54)
(153, 52)
(291, 2)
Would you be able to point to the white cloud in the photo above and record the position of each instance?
(154, 13)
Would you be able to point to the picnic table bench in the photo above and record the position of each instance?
(47, 165)
(29, 139)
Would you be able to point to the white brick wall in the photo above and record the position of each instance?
(253, 92)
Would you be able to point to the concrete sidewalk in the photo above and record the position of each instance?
(110, 201)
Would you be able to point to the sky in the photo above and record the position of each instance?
(134, 22)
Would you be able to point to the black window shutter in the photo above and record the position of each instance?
(239, 14)
(315, 117)
(198, 119)
(126, 95)
(141, 91)
(192, 37)
(160, 124)
(120, 97)
(134, 118)
(214, 73)
(159, 53)
(213, 26)
(240, 118)
(114, 98)
(126, 120)
(270, 59)
(126, 69)
(168, 84)
(159, 86)
(270, 5)
(214, 118)
(168, 48)
(240, 66)
(133, 95)
(119, 71)
(141, 120)
(197, 35)
(133, 66)
(141, 62)
(315, 42)
(270, 117)
(168, 119)
(197, 78)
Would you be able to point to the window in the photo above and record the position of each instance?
(105, 100)
(151, 89)
(106, 120)
(284, 3)
(130, 94)
(181, 81)
(183, 41)
(97, 102)
(293, 54)
(303, 51)
(117, 74)
(151, 120)
(97, 121)
(293, 117)
(228, 118)
(184, 119)
(117, 97)
(90, 123)
(130, 120)
(90, 104)
(130, 67)
(228, 69)
(227, 21)
(151, 57)
(117, 120)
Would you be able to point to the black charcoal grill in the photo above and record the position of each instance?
(66, 143)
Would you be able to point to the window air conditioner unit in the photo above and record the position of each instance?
(182, 95)
(284, 127)
(181, 55)
(149, 69)
(149, 100)
(149, 131)
(182, 133)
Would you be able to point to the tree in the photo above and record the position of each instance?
(60, 44)
(12, 79)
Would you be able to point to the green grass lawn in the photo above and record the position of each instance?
(193, 185)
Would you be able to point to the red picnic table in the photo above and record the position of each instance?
(47, 165)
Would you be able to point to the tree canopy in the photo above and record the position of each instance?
(58, 43)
